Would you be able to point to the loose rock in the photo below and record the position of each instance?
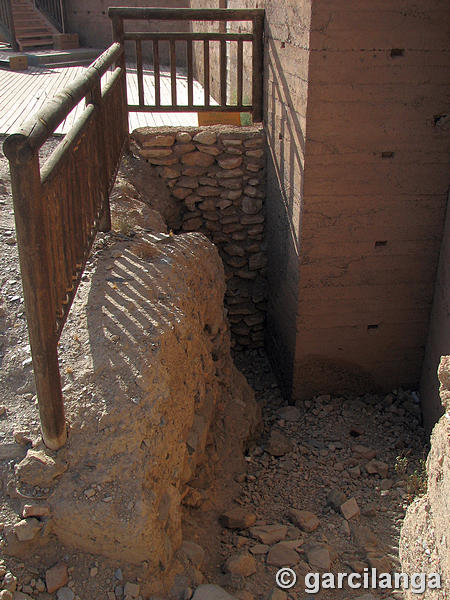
(237, 518)
(56, 577)
(307, 521)
(241, 564)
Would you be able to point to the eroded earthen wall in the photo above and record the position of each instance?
(424, 545)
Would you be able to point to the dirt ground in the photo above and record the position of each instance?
(324, 444)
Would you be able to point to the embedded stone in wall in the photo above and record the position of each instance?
(217, 175)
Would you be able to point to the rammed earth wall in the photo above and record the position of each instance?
(217, 176)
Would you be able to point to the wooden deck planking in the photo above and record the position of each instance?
(23, 93)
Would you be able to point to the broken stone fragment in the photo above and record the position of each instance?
(364, 452)
(241, 564)
(259, 549)
(210, 591)
(318, 556)
(27, 529)
(378, 467)
(277, 594)
(365, 539)
(350, 509)
(269, 534)
(335, 499)
(289, 413)
(35, 510)
(307, 521)
(237, 518)
(279, 444)
(282, 555)
(39, 469)
(56, 577)
(64, 593)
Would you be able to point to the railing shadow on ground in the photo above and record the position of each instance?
(133, 301)
(58, 210)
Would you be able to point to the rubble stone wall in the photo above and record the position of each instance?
(216, 176)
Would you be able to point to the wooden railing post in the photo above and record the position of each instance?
(258, 68)
(31, 223)
(118, 36)
(11, 26)
(95, 97)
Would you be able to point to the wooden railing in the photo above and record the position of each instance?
(54, 11)
(7, 23)
(119, 15)
(59, 208)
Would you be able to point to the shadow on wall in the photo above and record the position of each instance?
(285, 171)
(130, 317)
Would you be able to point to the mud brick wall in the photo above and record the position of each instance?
(217, 176)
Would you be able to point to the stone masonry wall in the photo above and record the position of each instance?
(217, 177)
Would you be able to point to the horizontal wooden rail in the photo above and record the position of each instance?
(184, 41)
(186, 14)
(59, 208)
(187, 36)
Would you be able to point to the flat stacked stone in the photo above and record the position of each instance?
(218, 175)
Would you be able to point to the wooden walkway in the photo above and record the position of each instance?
(23, 93)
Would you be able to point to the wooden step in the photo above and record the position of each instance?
(34, 36)
(31, 29)
(34, 43)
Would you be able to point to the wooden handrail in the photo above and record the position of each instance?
(58, 210)
(186, 14)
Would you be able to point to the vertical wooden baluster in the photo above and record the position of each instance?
(240, 71)
(173, 72)
(206, 70)
(139, 73)
(33, 244)
(190, 73)
(156, 73)
(100, 155)
(223, 72)
(257, 66)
